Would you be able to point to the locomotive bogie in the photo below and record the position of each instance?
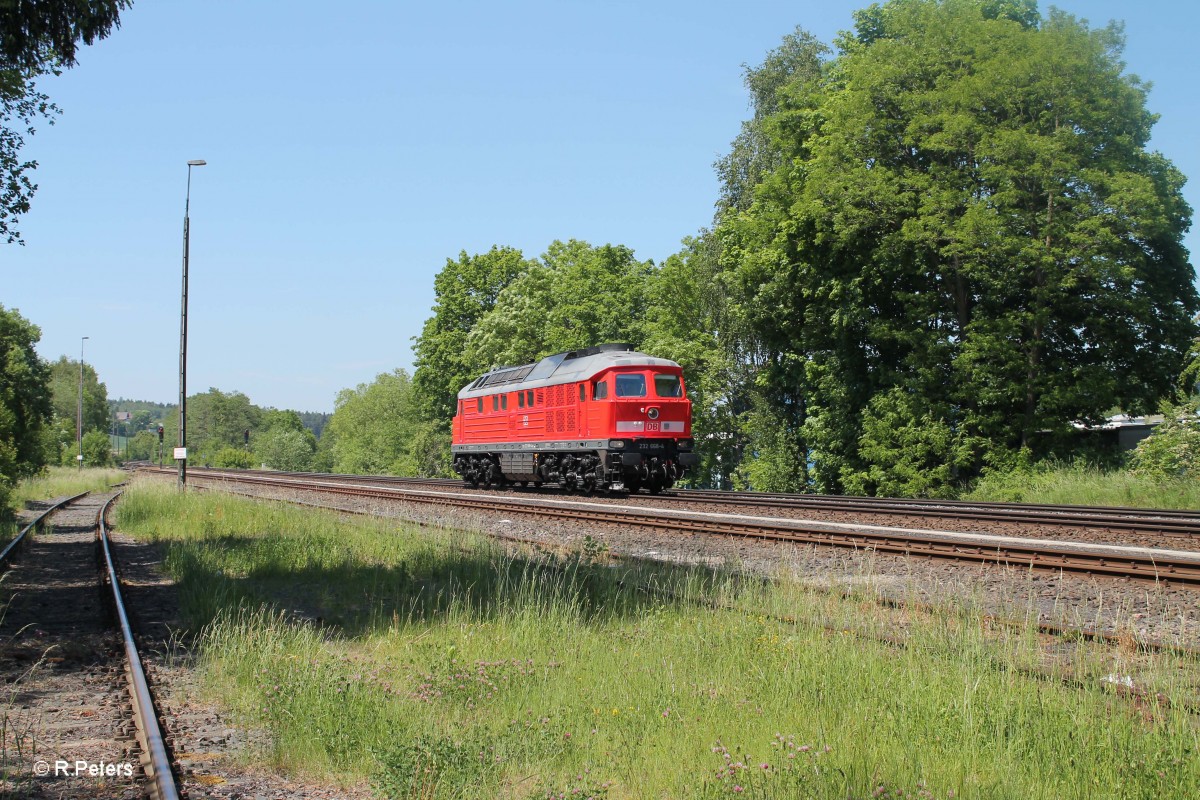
(605, 418)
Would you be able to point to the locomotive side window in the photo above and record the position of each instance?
(481, 405)
(504, 402)
(600, 390)
(582, 392)
(631, 385)
(667, 385)
(520, 399)
(529, 397)
(495, 402)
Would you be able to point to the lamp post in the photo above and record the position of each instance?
(79, 408)
(183, 331)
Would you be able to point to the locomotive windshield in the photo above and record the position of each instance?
(667, 385)
(631, 385)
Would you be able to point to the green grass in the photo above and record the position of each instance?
(63, 482)
(441, 666)
(56, 482)
(1080, 484)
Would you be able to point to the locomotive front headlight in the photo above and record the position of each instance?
(685, 442)
(652, 413)
(616, 444)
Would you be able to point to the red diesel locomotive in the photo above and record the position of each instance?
(603, 418)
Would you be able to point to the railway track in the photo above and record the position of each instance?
(1138, 520)
(80, 721)
(1158, 565)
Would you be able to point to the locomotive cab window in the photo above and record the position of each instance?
(600, 390)
(667, 385)
(582, 392)
(630, 385)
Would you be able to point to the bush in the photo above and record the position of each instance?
(1172, 450)
(289, 450)
(908, 449)
(97, 449)
(233, 458)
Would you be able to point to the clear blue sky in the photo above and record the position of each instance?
(353, 147)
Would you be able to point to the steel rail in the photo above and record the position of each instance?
(1113, 560)
(139, 689)
(1167, 521)
(11, 547)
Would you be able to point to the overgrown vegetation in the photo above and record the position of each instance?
(1079, 483)
(64, 481)
(442, 666)
(53, 482)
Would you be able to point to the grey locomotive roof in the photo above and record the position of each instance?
(568, 367)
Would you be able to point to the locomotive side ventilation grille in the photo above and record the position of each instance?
(570, 423)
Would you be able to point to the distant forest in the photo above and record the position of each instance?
(148, 414)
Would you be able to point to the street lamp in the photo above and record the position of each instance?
(199, 162)
(79, 408)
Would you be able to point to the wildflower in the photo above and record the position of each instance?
(737, 788)
(667, 713)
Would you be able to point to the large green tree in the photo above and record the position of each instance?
(464, 291)
(966, 242)
(37, 37)
(64, 385)
(215, 420)
(376, 428)
(25, 408)
(761, 401)
(575, 295)
(62, 439)
(283, 442)
(694, 319)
